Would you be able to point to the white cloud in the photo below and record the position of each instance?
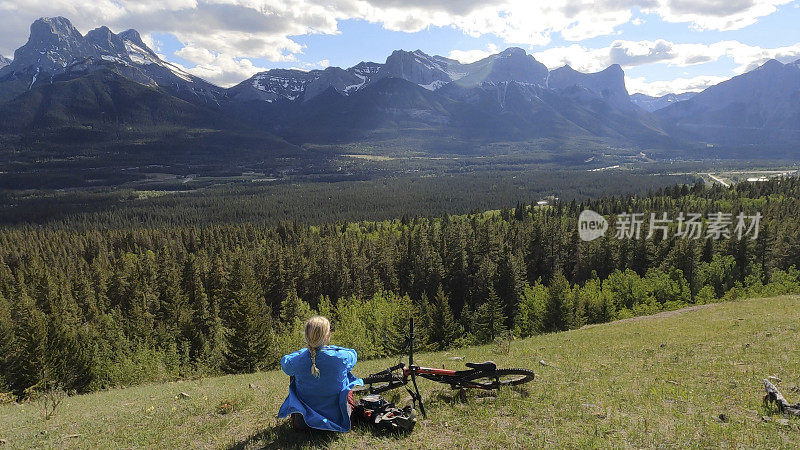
(223, 70)
(263, 28)
(676, 86)
(323, 63)
(196, 55)
(716, 14)
(469, 56)
(636, 53)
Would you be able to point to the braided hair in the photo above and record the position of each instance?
(318, 332)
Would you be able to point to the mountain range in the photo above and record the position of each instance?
(760, 107)
(62, 80)
(650, 103)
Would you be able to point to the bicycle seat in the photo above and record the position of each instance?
(488, 365)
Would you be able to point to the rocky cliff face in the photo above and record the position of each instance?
(57, 51)
(608, 84)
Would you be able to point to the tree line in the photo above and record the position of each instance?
(90, 309)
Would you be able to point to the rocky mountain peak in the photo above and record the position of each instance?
(513, 52)
(133, 40)
(107, 42)
(421, 68)
(511, 65)
(56, 51)
(46, 28)
(53, 44)
(608, 83)
(772, 64)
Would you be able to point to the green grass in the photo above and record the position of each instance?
(660, 381)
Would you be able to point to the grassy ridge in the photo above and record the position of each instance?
(656, 381)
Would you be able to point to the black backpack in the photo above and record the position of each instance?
(376, 411)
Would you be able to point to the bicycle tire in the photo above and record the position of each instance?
(504, 377)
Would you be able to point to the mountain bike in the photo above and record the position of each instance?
(483, 375)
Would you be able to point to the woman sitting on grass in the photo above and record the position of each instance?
(320, 391)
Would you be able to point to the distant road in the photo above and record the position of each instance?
(719, 180)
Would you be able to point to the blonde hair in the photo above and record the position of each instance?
(318, 330)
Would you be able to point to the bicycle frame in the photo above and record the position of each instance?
(431, 373)
(472, 378)
(412, 371)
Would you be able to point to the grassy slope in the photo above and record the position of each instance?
(656, 381)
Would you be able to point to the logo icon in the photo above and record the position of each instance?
(591, 225)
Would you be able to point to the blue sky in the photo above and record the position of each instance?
(663, 45)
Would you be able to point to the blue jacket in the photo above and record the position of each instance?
(322, 401)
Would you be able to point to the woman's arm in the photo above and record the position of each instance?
(288, 363)
(350, 359)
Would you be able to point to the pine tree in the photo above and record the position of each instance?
(291, 329)
(325, 308)
(442, 329)
(251, 333)
(530, 317)
(6, 342)
(217, 281)
(489, 318)
(508, 284)
(169, 296)
(28, 362)
(198, 328)
(558, 314)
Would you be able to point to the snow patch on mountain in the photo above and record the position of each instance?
(433, 85)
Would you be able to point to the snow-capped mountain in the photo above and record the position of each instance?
(292, 84)
(649, 103)
(429, 72)
(4, 61)
(57, 51)
(366, 73)
(62, 78)
(512, 64)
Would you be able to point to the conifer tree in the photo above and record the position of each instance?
(489, 318)
(442, 329)
(530, 316)
(325, 308)
(28, 358)
(558, 314)
(508, 284)
(291, 328)
(6, 341)
(198, 328)
(251, 333)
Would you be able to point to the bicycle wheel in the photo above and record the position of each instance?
(504, 377)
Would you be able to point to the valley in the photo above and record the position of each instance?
(175, 204)
(104, 110)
